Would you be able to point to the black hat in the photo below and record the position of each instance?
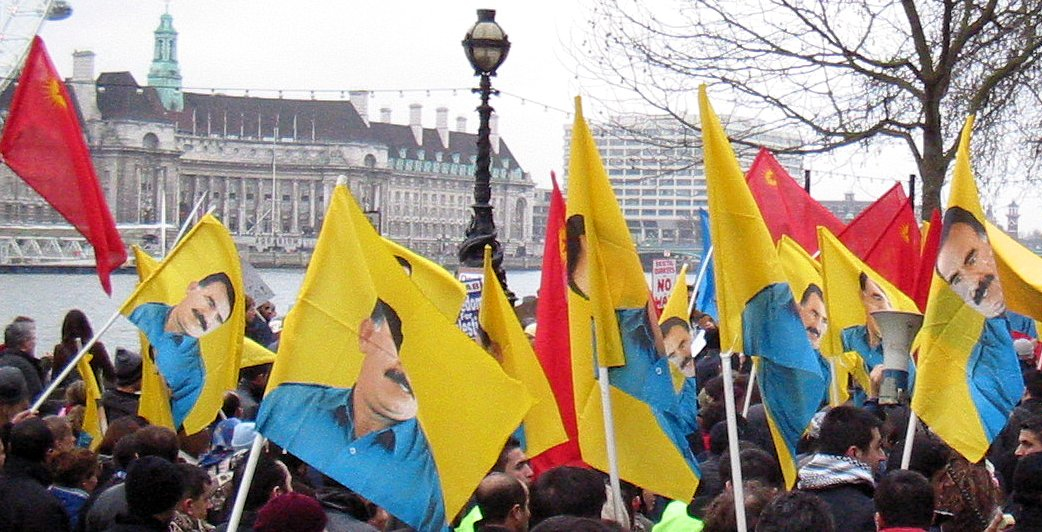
(128, 367)
(13, 389)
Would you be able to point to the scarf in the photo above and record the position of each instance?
(827, 470)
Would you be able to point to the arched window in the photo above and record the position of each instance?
(370, 160)
(150, 141)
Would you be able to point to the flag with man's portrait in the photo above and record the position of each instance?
(969, 377)
(376, 388)
(181, 304)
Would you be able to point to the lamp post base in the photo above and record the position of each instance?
(482, 232)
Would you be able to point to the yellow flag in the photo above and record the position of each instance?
(91, 417)
(543, 428)
(254, 354)
(192, 310)
(676, 305)
(435, 282)
(376, 388)
(758, 314)
(1021, 272)
(154, 404)
(678, 344)
(608, 319)
(969, 378)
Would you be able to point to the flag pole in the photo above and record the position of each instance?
(188, 219)
(732, 442)
(244, 485)
(162, 217)
(749, 391)
(71, 364)
(698, 280)
(609, 429)
(906, 454)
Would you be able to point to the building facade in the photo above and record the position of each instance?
(266, 167)
(654, 165)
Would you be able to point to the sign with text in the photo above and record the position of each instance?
(663, 275)
(473, 280)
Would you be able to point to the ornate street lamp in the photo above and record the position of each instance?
(486, 46)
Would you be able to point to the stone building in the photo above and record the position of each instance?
(267, 165)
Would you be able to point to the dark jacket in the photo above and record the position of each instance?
(852, 507)
(1001, 451)
(106, 509)
(119, 404)
(100, 362)
(345, 511)
(137, 524)
(25, 504)
(30, 367)
(259, 331)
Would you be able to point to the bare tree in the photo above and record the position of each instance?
(838, 72)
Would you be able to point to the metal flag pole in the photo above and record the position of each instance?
(749, 391)
(191, 215)
(906, 453)
(732, 442)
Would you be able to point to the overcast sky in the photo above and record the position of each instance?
(405, 52)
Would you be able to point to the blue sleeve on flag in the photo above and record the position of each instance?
(996, 384)
(393, 467)
(855, 339)
(1022, 324)
(177, 358)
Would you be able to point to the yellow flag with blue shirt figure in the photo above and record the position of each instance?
(542, 427)
(610, 325)
(969, 378)
(675, 327)
(192, 312)
(376, 388)
(154, 404)
(758, 313)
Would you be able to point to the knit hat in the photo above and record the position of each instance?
(128, 367)
(292, 512)
(13, 389)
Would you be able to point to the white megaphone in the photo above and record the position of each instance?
(898, 330)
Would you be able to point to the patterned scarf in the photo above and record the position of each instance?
(827, 470)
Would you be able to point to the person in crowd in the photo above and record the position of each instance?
(720, 515)
(270, 479)
(797, 511)
(503, 500)
(1003, 450)
(25, 504)
(346, 511)
(116, 431)
(966, 495)
(291, 512)
(567, 490)
(14, 394)
(267, 311)
(19, 352)
(111, 502)
(514, 462)
(756, 464)
(61, 429)
(123, 399)
(904, 502)
(75, 475)
(841, 472)
(76, 328)
(1027, 493)
(191, 511)
(257, 328)
(153, 489)
(252, 382)
(1029, 441)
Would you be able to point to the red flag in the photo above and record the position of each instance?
(927, 260)
(886, 236)
(43, 143)
(786, 207)
(551, 337)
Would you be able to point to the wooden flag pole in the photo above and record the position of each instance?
(732, 442)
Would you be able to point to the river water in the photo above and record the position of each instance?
(47, 297)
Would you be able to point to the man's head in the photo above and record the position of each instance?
(575, 246)
(873, 298)
(207, 304)
(852, 432)
(513, 461)
(904, 499)
(813, 314)
(705, 322)
(266, 310)
(503, 500)
(270, 479)
(1029, 441)
(30, 440)
(21, 335)
(676, 337)
(198, 489)
(568, 491)
(153, 488)
(382, 388)
(966, 262)
(128, 370)
(61, 429)
(796, 511)
(256, 377)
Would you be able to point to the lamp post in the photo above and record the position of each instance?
(486, 46)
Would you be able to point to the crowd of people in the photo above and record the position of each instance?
(145, 477)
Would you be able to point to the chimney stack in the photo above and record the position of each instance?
(86, 92)
(442, 124)
(461, 124)
(385, 115)
(360, 101)
(415, 122)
